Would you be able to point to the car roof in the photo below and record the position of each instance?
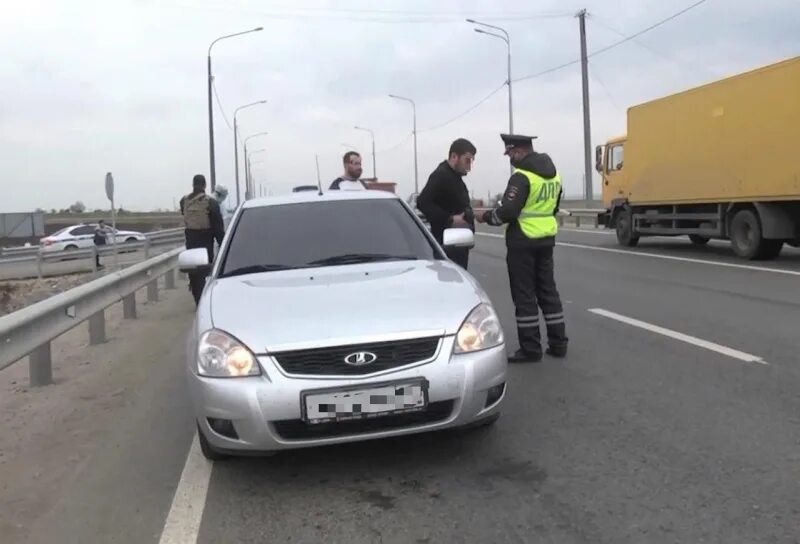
(301, 197)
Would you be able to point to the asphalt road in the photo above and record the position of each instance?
(675, 418)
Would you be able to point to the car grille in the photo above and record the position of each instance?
(330, 361)
(297, 429)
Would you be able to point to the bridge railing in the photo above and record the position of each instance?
(31, 330)
(153, 240)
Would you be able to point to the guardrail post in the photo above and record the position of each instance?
(577, 220)
(97, 328)
(146, 248)
(169, 279)
(129, 306)
(561, 220)
(596, 221)
(40, 366)
(39, 264)
(152, 290)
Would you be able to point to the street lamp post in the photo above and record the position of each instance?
(249, 165)
(374, 174)
(248, 194)
(213, 172)
(236, 145)
(414, 131)
(506, 38)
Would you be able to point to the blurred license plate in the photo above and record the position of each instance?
(361, 403)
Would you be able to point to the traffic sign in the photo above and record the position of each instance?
(110, 186)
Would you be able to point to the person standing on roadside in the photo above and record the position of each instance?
(101, 232)
(203, 222)
(529, 207)
(445, 201)
(351, 180)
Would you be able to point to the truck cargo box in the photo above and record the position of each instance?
(734, 140)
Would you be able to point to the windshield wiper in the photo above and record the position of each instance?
(356, 258)
(255, 268)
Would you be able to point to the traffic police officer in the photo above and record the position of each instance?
(529, 208)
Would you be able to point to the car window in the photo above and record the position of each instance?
(306, 234)
(82, 231)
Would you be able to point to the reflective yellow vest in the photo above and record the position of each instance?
(537, 219)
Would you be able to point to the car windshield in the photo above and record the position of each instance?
(324, 233)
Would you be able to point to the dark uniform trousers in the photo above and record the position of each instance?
(533, 286)
(459, 255)
(197, 239)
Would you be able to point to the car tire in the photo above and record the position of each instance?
(207, 449)
(71, 247)
(698, 240)
(745, 235)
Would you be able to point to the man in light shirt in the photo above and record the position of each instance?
(350, 181)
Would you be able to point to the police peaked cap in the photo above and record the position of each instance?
(516, 140)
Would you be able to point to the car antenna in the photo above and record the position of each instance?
(319, 180)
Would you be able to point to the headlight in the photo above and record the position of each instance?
(221, 356)
(481, 330)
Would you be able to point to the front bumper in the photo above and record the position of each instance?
(264, 412)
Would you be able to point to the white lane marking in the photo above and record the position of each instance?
(730, 352)
(666, 257)
(183, 521)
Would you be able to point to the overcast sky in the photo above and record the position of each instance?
(88, 87)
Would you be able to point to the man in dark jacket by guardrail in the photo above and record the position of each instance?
(203, 221)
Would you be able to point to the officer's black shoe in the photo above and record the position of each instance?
(523, 357)
(559, 352)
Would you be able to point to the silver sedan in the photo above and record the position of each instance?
(338, 318)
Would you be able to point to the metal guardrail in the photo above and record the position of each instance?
(156, 239)
(30, 331)
(31, 251)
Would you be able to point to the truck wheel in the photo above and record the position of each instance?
(698, 240)
(625, 234)
(746, 235)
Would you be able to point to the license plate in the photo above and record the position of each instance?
(361, 402)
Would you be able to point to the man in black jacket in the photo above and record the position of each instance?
(445, 199)
(204, 224)
(529, 206)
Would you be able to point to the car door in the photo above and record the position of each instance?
(82, 236)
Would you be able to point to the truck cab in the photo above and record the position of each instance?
(609, 162)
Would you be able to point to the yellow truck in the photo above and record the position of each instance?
(720, 161)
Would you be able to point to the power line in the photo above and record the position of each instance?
(470, 110)
(601, 22)
(219, 103)
(615, 44)
(396, 146)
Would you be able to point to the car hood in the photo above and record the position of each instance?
(297, 309)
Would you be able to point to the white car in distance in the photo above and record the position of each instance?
(82, 237)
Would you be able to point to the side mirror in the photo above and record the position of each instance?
(458, 237)
(598, 158)
(194, 260)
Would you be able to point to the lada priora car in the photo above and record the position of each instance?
(336, 317)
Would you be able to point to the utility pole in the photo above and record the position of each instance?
(587, 130)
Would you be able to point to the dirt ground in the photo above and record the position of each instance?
(17, 294)
(48, 433)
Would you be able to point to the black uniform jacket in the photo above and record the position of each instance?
(445, 195)
(514, 200)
